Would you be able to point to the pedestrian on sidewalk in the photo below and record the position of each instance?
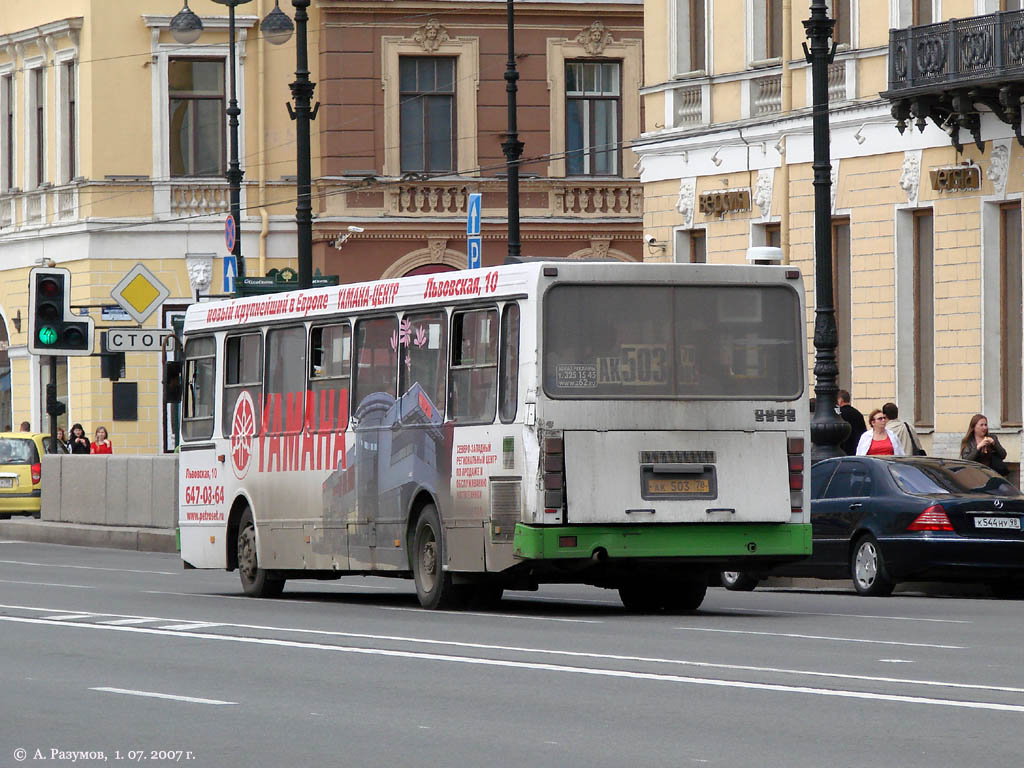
(854, 418)
(978, 445)
(101, 442)
(879, 441)
(902, 430)
(79, 442)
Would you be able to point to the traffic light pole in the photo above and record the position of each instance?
(53, 415)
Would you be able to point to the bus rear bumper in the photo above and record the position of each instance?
(725, 544)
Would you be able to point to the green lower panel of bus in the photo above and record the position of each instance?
(683, 540)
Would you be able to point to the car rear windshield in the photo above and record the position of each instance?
(15, 450)
(950, 477)
(685, 342)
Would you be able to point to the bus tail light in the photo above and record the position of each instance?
(932, 519)
(795, 458)
(37, 473)
(554, 475)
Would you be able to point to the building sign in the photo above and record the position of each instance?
(956, 178)
(726, 201)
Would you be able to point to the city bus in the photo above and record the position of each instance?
(630, 426)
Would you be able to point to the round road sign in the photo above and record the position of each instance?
(229, 233)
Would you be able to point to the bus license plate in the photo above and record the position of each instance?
(672, 486)
(997, 522)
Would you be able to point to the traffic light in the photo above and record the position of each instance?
(54, 407)
(52, 329)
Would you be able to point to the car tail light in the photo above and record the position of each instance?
(795, 449)
(554, 475)
(932, 519)
(37, 473)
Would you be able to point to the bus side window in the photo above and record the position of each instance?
(508, 389)
(422, 360)
(474, 367)
(286, 380)
(243, 372)
(376, 357)
(330, 369)
(199, 396)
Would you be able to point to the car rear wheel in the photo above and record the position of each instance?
(867, 566)
(738, 581)
(256, 582)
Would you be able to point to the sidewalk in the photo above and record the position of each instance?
(83, 535)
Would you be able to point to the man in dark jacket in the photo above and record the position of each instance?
(854, 418)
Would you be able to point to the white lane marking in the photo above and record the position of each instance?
(191, 625)
(577, 654)
(544, 667)
(45, 583)
(843, 615)
(88, 567)
(69, 616)
(120, 622)
(221, 597)
(154, 695)
(896, 661)
(493, 615)
(824, 637)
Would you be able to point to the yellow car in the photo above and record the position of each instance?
(20, 472)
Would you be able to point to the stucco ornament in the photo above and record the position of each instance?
(431, 35)
(911, 176)
(834, 185)
(686, 199)
(599, 247)
(200, 272)
(998, 167)
(437, 246)
(763, 191)
(594, 38)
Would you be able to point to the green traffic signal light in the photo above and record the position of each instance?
(47, 335)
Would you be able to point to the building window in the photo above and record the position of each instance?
(427, 113)
(197, 135)
(592, 114)
(691, 40)
(7, 128)
(1010, 5)
(691, 246)
(841, 11)
(1011, 316)
(841, 299)
(773, 235)
(70, 96)
(773, 27)
(922, 12)
(39, 125)
(924, 320)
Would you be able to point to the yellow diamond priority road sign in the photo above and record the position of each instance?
(139, 293)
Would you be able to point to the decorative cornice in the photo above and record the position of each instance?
(161, 21)
(53, 29)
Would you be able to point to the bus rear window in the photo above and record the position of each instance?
(694, 341)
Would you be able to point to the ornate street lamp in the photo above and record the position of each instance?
(186, 28)
(828, 430)
(512, 146)
(303, 113)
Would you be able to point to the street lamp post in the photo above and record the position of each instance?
(186, 28)
(277, 29)
(512, 146)
(827, 429)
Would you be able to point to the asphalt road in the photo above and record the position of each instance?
(125, 654)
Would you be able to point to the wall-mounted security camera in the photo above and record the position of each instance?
(650, 239)
(353, 228)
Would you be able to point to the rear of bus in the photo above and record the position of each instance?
(672, 418)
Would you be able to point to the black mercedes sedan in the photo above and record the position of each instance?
(885, 519)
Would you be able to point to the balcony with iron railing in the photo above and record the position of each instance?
(953, 71)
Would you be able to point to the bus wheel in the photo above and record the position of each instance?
(738, 581)
(639, 596)
(255, 581)
(683, 596)
(434, 586)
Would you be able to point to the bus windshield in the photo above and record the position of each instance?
(683, 342)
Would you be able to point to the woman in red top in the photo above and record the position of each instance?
(102, 442)
(879, 441)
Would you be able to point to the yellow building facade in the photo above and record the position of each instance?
(105, 162)
(926, 235)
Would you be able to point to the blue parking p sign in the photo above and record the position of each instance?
(474, 250)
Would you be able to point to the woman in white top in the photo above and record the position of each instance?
(879, 440)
